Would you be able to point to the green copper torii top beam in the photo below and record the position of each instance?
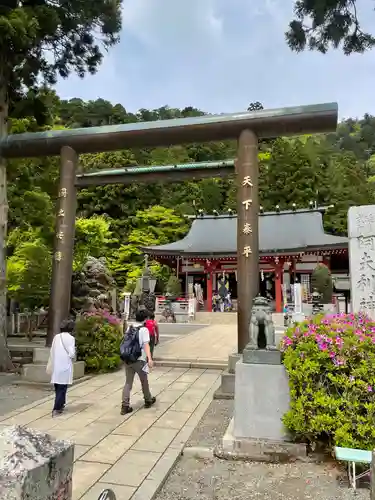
(153, 173)
(271, 123)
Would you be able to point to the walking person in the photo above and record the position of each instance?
(135, 352)
(153, 329)
(60, 364)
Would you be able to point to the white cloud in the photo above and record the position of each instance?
(173, 25)
(220, 55)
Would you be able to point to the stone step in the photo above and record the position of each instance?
(36, 372)
(23, 336)
(226, 389)
(22, 360)
(191, 364)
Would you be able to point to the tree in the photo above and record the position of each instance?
(154, 226)
(321, 24)
(29, 274)
(321, 281)
(92, 237)
(39, 41)
(255, 106)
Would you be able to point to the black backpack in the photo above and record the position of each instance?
(130, 349)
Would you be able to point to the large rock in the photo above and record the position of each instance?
(33, 466)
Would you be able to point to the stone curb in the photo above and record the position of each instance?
(175, 363)
(198, 452)
(47, 385)
(222, 395)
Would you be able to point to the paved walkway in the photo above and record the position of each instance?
(131, 454)
(212, 344)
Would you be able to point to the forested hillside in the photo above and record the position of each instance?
(113, 220)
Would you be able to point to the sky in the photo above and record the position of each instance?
(220, 55)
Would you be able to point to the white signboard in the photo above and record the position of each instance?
(127, 304)
(361, 229)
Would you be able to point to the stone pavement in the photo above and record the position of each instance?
(207, 346)
(131, 454)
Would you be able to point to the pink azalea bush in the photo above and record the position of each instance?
(98, 339)
(330, 362)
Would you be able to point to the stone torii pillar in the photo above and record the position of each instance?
(59, 305)
(247, 173)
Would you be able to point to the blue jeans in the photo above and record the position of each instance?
(60, 397)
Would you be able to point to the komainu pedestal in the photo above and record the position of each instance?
(261, 396)
(33, 466)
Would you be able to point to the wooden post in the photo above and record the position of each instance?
(209, 290)
(279, 268)
(59, 305)
(5, 359)
(247, 171)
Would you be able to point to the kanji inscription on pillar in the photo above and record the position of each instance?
(361, 229)
(247, 181)
(247, 204)
(58, 256)
(247, 251)
(247, 228)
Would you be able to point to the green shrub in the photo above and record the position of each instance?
(173, 287)
(321, 280)
(98, 339)
(330, 361)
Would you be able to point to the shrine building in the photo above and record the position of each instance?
(291, 244)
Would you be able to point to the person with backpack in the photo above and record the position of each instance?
(136, 354)
(153, 329)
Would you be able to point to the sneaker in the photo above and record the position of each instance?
(56, 413)
(126, 409)
(148, 404)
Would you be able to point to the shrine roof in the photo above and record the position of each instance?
(291, 231)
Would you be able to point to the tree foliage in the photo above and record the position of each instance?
(29, 274)
(92, 239)
(41, 40)
(115, 220)
(321, 24)
(321, 280)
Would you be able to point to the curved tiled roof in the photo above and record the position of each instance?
(279, 232)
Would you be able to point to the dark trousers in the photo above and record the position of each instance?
(130, 371)
(152, 345)
(60, 397)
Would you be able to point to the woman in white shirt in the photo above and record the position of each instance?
(60, 364)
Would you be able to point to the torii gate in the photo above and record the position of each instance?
(247, 128)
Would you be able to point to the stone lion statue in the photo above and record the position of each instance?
(261, 319)
(96, 269)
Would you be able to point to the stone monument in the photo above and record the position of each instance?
(261, 396)
(298, 316)
(33, 466)
(361, 230)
